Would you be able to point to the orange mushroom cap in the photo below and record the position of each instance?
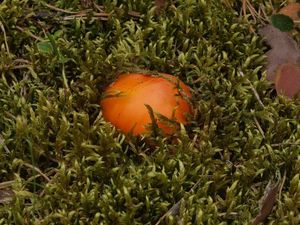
(125, 100)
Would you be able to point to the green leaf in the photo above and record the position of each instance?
(282, 22)
(45, 47)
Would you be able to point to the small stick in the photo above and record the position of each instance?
(4, 145)
(254, 91)
(259, 127)
(38, 171)
(281, 144)
(282, 183)
(59, 9)
(5, 38)
(175, 208)
(256, 94)
(29, 33)
(134, 14)
(22, 61)
(102, 16)
(6, 184)
(100, 8)
(244, 8)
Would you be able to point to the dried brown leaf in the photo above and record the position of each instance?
(267, 203)
(291, 10)
(284, 49)
(288, 80)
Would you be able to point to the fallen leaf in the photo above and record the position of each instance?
(267, 203)
(287, 81)
(291, 10)
(284, 49)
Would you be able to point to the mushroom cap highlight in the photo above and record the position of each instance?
(125, 100)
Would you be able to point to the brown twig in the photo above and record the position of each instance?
(24, 63)
(6, 194)
(256, 15)
(38, 171)
(281, 185)
(4, 145)
(83, 15)
(59, 9)
(281, 144)
(259, 101)
(259, 127)
(175, 208)
(256, 94)
(29, 33)
(264, 14)
(254, 91)
(7, 184)
(98, 7)
(244, 8)
(5, 38)
(134, 14)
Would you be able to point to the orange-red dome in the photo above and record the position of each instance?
(125, 99)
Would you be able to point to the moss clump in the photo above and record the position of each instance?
(66, 165)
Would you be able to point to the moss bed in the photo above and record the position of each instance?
(61, 163)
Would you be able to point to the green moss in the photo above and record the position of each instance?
(71, 167)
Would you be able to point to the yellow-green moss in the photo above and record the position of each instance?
(71, 167)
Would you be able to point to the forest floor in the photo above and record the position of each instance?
(62, 163)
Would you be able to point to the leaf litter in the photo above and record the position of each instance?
(267, 202)
(279, 55)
